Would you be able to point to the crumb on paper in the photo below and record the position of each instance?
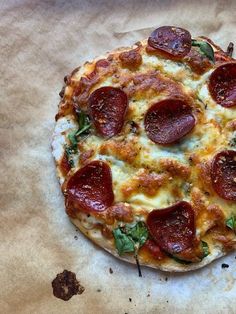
(224, 265)
(110, 270)
(65, 285)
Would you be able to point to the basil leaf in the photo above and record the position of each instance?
(205, 249)
(69, 151)
(181, 261)
(84, 125)
(122, 242)
(138, 233)
(205, 48)
(72, 138)
(231, 223)
(232, 142)
(130, 237)
(84, 128)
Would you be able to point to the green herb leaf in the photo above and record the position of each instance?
(138, 233)
(232, 142)
(205, 48)
(69, 151)
(84, 125)
(123, 243)
(72, 138)
(205, 249)
(181, 261)
(130, 237)
(231, 223)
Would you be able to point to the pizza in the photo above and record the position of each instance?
(145, 150)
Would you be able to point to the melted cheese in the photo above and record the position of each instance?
(207, 138)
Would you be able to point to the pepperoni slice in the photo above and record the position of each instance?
(168, 121)
(173, 228)
(170, 41)
(108, 106)
(90, 188)
(223, 174)
(222, 84)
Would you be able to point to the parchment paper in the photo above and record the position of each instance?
(41, 41)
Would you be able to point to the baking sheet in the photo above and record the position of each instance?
(41, 42)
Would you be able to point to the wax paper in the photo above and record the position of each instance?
(41, 42)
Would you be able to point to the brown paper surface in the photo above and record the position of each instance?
(41, 41)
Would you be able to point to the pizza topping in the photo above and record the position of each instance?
(108, 106)
(223, 174)
(131, 59)
(231, 223)
(198, 62)
(130, 238)
(205, 249)
(90, 188)
(173, 228)
(84, 125)
(222, 84)
(168, 121)
(205, 49)
(173, 42)
(121, 212)
(153, 249)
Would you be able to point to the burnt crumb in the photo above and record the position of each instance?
(167, 301)
(67, 79)
(148, 295)
(130, 300)
(88, 215)
(110, 270)
(65, 285)
(166, 279)
(76, 237)
(62, 92)
(99, 290)
(134, 128)
(224, 265)
(230, 49)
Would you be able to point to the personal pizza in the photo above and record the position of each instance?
(145, 150)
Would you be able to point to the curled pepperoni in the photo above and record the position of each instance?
(223, 174)
(168, 121)
(173, 228)
(90, 188)
(108, 106)
(222, 84)
(170, 41)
